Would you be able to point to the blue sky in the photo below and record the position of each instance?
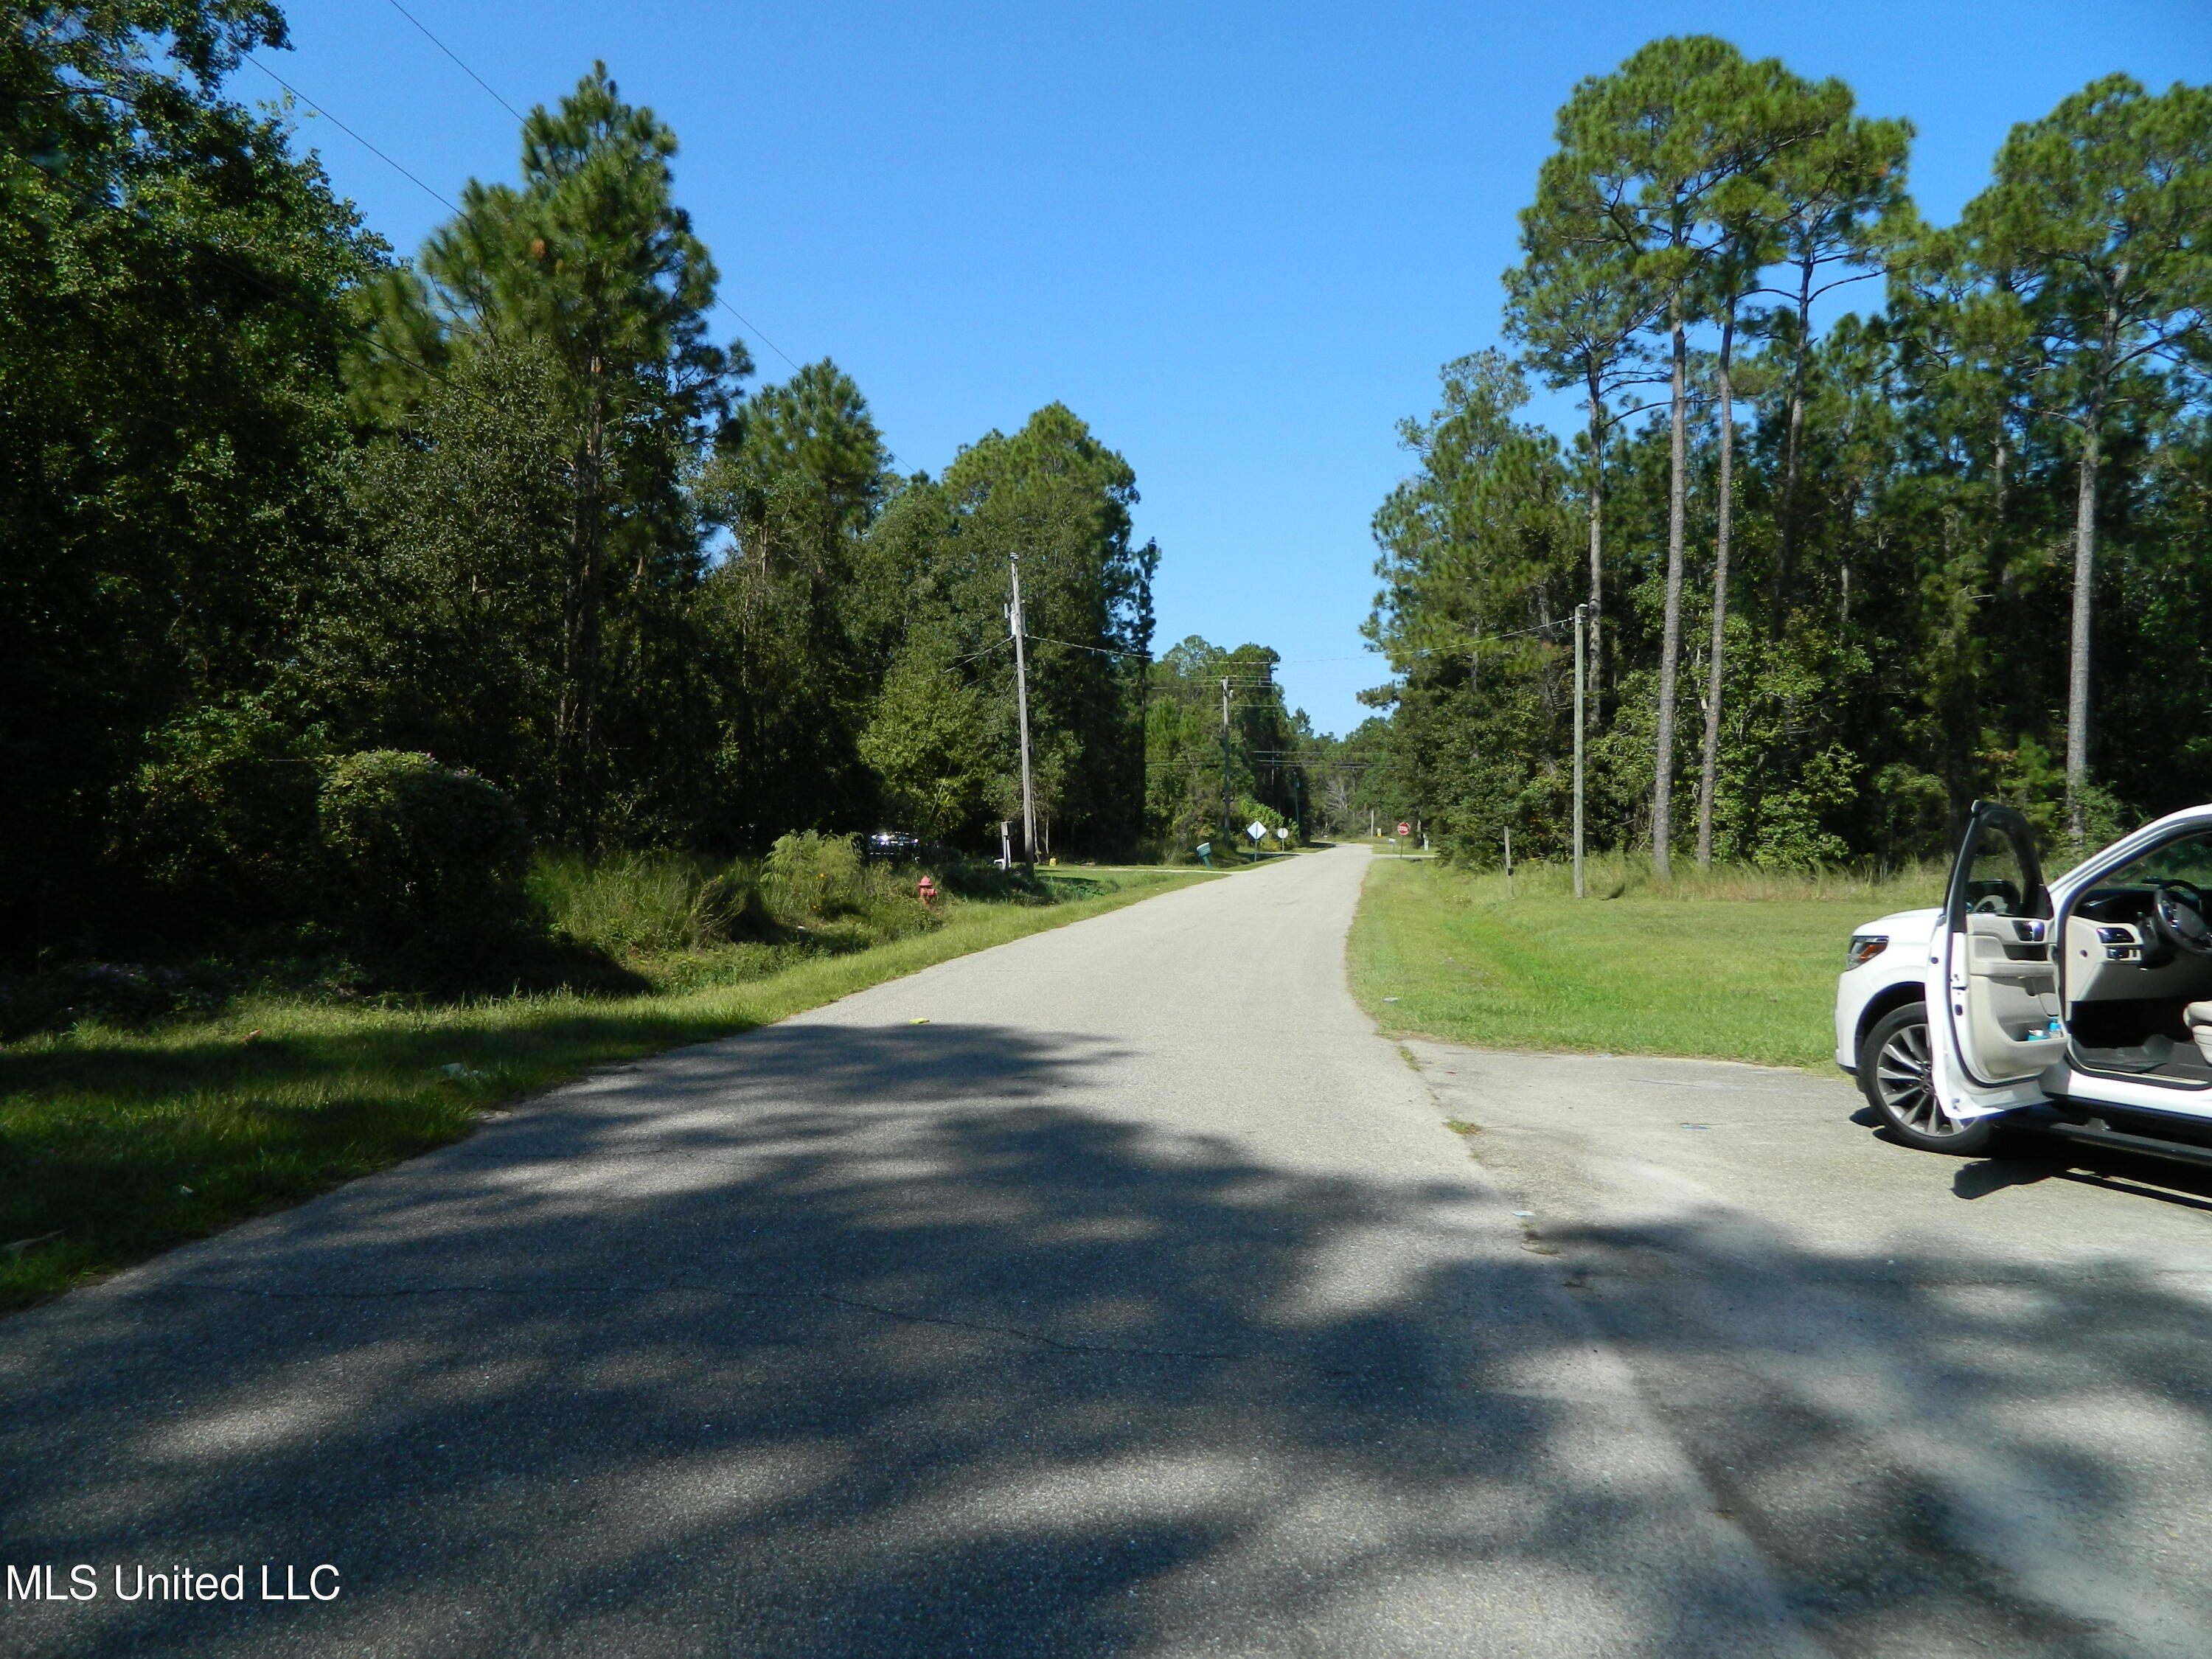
(1237, 239)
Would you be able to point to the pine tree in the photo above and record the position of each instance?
(2102, 213)
(591, 259)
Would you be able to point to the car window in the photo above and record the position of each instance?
(1996, 883)
(2188, 860)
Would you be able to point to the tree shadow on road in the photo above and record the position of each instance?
(886, 1342)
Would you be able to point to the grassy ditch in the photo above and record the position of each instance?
(117, 1141)
(1732, 963)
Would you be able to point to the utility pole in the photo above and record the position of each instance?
(1022, 708)
(1228, 830)
(1581, 615)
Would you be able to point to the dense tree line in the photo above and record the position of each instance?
(1839, 582)
(1223, 750)
(497, 541)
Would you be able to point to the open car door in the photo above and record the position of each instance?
(1997, 1029)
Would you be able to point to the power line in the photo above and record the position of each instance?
(349, 132)
(763, 338)
(1479, 640)
(1099, 650)
(752, 328)
(456, 57)
(205, 251)
(365, 336)
(1522, 634)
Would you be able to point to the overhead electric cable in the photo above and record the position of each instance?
(349, 132)
(365, 336)
(757, 335)
(1100, 649)
(205, 250)
(1479, 639)
(750, 328)
(456, 57)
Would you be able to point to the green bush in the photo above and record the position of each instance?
(222, 821)
(423, 857)
(811, 877)
(811, 881)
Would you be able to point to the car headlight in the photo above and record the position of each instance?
(1864, 948)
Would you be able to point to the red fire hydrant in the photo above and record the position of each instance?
(928, 890)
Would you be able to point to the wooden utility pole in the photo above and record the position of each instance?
(1022, 710)
(1228, 830)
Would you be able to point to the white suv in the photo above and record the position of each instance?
(2082, 1007)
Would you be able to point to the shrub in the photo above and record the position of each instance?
(811, 877)
(984, 881)
(423, 856)
(222, 820)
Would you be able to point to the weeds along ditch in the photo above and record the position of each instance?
(151, 1104)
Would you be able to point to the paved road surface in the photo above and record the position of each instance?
(1958, 1407)
(1140, 1303)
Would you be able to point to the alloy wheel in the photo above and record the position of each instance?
(1907, 1092)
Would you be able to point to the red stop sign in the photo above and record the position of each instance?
(1405, 828)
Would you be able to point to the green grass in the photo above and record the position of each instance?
(1728, 964)
(115, 1142)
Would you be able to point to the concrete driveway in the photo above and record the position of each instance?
(1959, 1406)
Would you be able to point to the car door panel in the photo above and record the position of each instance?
(1991, 1039)
(2013, 999)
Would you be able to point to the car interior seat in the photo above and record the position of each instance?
(2198, 1016)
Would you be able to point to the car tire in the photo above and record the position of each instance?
(1893, 1076)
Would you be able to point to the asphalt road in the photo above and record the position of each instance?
(1140, 1302)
